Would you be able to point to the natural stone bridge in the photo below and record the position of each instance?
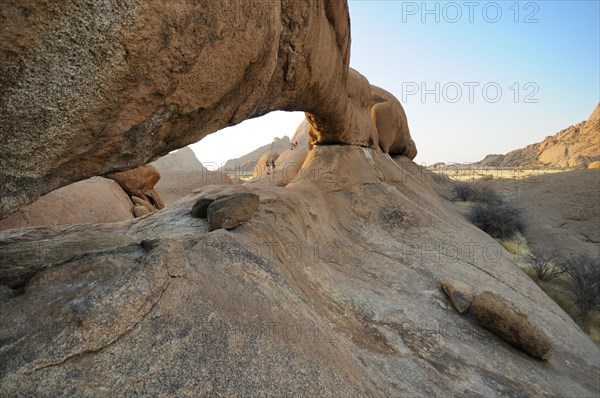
(95, 87)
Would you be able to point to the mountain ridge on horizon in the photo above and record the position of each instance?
(575, 146)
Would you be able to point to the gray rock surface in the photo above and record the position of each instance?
(231, 210)
(331, 290)
(200, 208)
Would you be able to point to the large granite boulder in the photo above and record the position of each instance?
(95, 200)
(331, 289)
(140, 182)
(97, 87)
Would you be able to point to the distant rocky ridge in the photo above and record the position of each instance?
(181, 172)
(248, 161)
(182, 160)
(575, 146)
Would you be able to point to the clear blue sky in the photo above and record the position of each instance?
(543, 56)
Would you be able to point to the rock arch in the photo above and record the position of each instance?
(97, 87)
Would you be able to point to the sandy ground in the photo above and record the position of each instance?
(494, 174)
(561, 210)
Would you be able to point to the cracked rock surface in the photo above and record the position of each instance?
(331, 289)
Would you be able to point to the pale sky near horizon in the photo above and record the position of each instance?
(474, 77)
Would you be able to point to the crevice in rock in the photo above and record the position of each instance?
(115, 340)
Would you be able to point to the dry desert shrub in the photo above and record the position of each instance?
(585, 276)
(466, 192)
(501, 221)
(547, 266)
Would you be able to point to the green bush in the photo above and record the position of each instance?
(501, 222)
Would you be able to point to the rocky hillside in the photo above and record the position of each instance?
(331, 289)
(249, 161)
(183, 159)
(181, 172)
(560, 210)
(575, 146)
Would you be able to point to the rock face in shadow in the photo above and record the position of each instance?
(331, 289)
(140, 182)
(106, 86)
(95, 200)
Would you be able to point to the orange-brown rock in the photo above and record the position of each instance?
(594, 165)
(392, 125)
(140, 211)
(330, 289)
(265, 163)
(290, 163)
(95, 200)
(576, 146)
(141, 202)
(140, 182)
(502, 317)
(97, 87)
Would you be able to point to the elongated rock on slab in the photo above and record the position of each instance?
(502, 317)
(231, 210)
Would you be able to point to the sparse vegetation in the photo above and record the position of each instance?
(547, 266)
(489, 212)
(585, 276)
(573, 283)
(516, 245)
(501, 221)
(466, 192)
